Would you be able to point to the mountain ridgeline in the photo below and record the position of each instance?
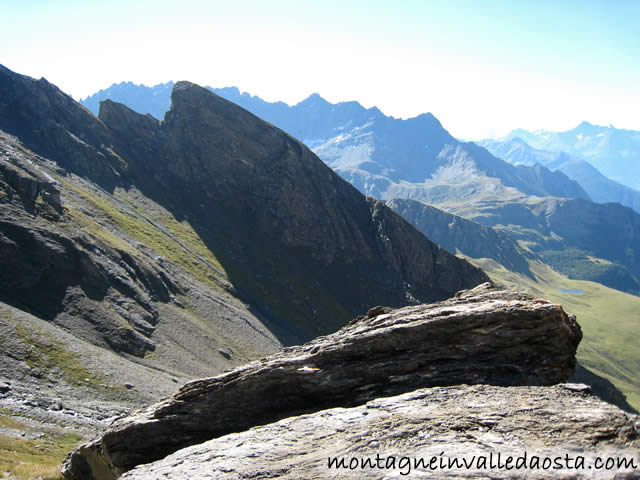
(382, 156)
(271, 209)
(299, 245)
(137, 254)
(584, 240)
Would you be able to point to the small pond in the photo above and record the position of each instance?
(567, 290)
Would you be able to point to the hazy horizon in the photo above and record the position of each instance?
(82, 99)
(481, 68)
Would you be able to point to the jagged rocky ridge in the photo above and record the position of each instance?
(484, 335)
(418, 159)
(43, 118)
(382, 156)
(136, 255)
(297, 216)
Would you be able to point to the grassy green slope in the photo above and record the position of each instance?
(609, 320)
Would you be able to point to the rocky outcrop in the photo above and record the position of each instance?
(484, 335)
(62, 276)
(58, 277)
(563, 426)
(105, 303)
(24, 185)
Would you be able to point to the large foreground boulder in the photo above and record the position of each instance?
(474, 432)
(481, 336)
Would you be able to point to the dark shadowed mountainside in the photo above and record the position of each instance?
(296, 216)
(418, 159)
(136, 255)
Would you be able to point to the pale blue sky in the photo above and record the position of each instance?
(479, 66)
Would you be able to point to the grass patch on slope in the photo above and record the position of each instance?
(609, 320)
(10, 422)
(46, 354)
(185, 250)
(182, 230)
(40, 458)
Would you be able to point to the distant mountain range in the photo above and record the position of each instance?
(382, 156)
(614, 152)
(582, 239)
(600, 188)
(137, 254)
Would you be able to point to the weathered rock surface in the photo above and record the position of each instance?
(83, 276)
(484, 335)
(562, 424)
(66, 260)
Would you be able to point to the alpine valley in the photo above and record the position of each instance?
(181, 276)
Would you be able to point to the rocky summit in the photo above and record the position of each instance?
(481, 336)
